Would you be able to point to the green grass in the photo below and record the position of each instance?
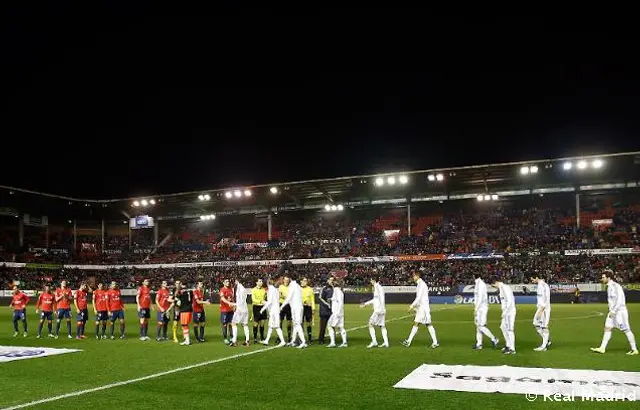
(321, 378)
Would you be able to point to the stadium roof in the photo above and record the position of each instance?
(572, 174)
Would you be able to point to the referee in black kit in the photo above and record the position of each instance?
(325, 308)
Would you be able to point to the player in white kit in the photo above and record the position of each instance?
(272, 305)
(480, 310)
(240, 315)
(378, 316)
(543, 312)
(336, 320)
(294, 299)
(423, 312)
(508, 315)
(618, 316)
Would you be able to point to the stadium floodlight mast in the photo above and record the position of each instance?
(488, 197)
(392, 180)
(143, 202)
(526, 170)
(583, 164)
(333, 208)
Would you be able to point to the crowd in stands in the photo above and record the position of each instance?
(546, 229)
(557, 269)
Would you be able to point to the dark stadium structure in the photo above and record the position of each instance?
(617, 172)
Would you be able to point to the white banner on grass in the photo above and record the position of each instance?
(538, 384)
(11, 353)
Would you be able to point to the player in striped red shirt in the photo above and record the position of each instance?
(198, 311)
(163, 304)
(81, 310)
(19, 304)
(143, 299)
(64, 296)
(116, 309)
(100, 309)
(46, 302)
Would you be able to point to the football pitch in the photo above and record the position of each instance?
(150, 375)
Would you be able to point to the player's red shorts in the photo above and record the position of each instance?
(185, 318)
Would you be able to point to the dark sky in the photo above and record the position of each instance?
(117, 100)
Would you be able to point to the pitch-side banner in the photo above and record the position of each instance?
(536, 384)
(612, 251)
(11, 353)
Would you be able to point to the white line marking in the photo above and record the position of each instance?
(165, 373)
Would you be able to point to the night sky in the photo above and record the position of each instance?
(112, 101)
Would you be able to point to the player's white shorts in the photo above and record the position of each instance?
(620, 320)
(336, 320)
(480, 317)
(240, 317)
(377, 319)
(296, 316)
(543, 319)
(423, 315)
(508, 321)
(274, 319)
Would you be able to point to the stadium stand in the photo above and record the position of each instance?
(451, 223)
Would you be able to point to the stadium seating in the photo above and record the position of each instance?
(545, 228)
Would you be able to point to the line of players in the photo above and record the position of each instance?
(296, 303)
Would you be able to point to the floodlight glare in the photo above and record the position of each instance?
(567, 166)
(379, 181)
(327, 207)
(340, 207)
(439, 177)
(524, 170)
(597, 163)
(237, 194)
(247, 192)
(431, 177)
(273, 190)
(228, 194)
(533, 169)
(136, 203)
(391, 180)
(144, 202)
(582, 164)
(403, 179)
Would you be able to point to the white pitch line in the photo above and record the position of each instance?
(165, 373)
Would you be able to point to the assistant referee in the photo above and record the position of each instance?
(258, 297)
(309, 306)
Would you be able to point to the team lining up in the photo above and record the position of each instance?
(293, 302)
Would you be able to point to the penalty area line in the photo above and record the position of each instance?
(160, 374)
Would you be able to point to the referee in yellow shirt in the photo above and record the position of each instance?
(258, 296)
(309, 305)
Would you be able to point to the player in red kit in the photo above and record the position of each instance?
(116, 309)
(163, 305)
(198, 311)
(143, 300)
(64, 296)
(45, 304)
(19, 304)
(100, 309)
(226, 309)
(82, 313)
